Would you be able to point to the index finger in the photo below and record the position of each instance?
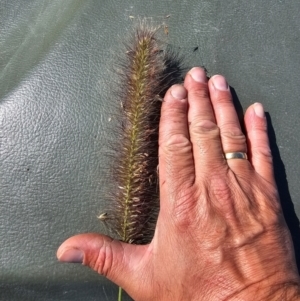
(176, 163)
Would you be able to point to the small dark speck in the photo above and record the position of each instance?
(205, 69)
(195, 49)
(28, 169)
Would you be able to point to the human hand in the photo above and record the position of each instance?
(220, 233)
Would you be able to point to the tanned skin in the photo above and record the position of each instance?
(220, 233)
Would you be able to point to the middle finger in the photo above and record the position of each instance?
(204, 132)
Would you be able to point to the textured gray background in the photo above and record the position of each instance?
(56, 74)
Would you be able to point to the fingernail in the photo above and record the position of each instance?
(220, 82)
(198, 75)
(72, 256)
(178, 92)
(259, 110)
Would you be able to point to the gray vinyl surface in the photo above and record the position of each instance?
(56, 116)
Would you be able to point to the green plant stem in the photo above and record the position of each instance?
(120, 294)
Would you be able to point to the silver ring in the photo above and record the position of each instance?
(236, 155)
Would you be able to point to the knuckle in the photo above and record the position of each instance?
(225, 99)
(174, 112)
(103, 262)
(259, 126)
(173, 108)
(232, 130)
(262, 151)
(205, 127)
(234, 136)
(178, 143)
(199, 93)
(249, 234)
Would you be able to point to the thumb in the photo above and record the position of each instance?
(119, 262)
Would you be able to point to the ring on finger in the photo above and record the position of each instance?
(236, 155)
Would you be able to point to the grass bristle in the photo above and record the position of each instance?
(136, 178)
(148, 70)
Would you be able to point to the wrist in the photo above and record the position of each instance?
(289, 292)
(279, 292)
(262, 291)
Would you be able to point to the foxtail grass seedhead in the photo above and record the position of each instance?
(147, 72)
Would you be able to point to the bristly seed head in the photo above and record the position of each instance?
(144, 79)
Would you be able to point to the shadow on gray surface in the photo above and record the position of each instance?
(284, 194)
(238, 108)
